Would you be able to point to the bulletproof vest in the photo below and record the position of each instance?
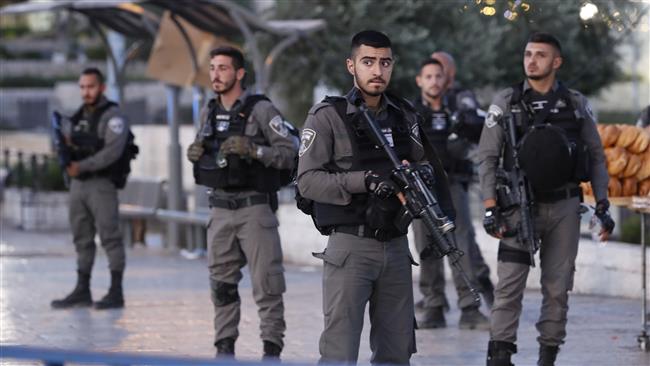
(233, 172)
(437, 126)
(87, 142)
(85, 136)
(365, 156)
(551, 152)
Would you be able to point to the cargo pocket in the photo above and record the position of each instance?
(334, 257)
(269, 221)
(274, 283)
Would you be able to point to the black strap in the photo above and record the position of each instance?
(237, 203)
(511, 255)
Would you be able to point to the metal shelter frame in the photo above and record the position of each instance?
(223, 18)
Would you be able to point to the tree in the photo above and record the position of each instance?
(487, 46)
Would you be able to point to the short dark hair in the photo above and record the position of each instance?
(370, 38)
(94, 71)
(543, 37)
(235, 54)
(431, 61)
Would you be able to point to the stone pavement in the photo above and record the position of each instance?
(168, 312)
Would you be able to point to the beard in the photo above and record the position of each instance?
(227, 86)
(543, 75)
(368, 91)
(433, 96)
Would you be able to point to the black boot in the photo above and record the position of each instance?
(225, 347)
(114, 299)
(499, 353)
(547, 355)
(79, 297)
(487, 290)
(433, 318)
(472, 318)
(271, 351)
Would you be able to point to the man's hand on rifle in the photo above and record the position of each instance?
(379, 184)
(607, 223)
(492, 222)
(72, 169)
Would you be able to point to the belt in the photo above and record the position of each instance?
(557, 195)
(364, 231)
(236, 203)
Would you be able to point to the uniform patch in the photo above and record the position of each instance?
(306, 140)
(388, 134)
(116, 124)
(494, 115)
(278, 126)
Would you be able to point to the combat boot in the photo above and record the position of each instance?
(547, 355)
(271, 351)
(79, 297)
(472, 318)
(433, 318)
(499, 353)
(225, 347)
(114, 299)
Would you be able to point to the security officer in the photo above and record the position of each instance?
(544, 113)
(248, 138)
(347, 177)
(447, 121)
(97, 137)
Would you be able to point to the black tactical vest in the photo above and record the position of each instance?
(562, 116)
(84, 135)
(232, 172)
(437, 126)
(365, 156)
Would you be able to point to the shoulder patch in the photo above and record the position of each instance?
(493, 116)
(278, 126)
(116, 124)
(306, 140)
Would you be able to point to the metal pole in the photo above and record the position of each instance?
(114, 76)
(175, 179)
(643, 337)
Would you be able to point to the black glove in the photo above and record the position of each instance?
(492, 222)
(380, 185)
(602, 213)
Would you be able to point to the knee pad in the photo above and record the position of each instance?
(224, 293)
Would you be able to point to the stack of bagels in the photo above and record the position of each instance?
(627, 153)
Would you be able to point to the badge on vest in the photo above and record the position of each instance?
(439, 121)
(222, 122)
(306, 139)
(82, 125)
(388, 134)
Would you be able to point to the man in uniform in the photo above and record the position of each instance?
(348, 179)
(249, 140)
(544, 113)
(447, 121)
(97, 137)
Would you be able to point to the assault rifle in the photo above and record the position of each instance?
(419, 202)
(522, 193)
(62, 149)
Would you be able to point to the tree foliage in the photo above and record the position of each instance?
(488, 49)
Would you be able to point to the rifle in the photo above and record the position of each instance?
(419, 202)
(522, 192)
(62, 149)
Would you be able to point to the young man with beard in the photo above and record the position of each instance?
(241, 149)
(96, 137)
(557, 147)
(440, 112)
(347, 177)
